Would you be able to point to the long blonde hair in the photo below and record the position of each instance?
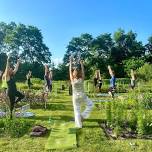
(97, 74)
(79, 73)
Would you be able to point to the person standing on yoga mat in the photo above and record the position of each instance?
(112, 82)
(132, 80)
(28, 77)
(48, 79)
(11, 91)
(79, 96)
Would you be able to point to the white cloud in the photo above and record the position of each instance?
(57, 61)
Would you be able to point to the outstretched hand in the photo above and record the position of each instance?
(81, 61)
(18, 60)
(8, 57)
(109, 66)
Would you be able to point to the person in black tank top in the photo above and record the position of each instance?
(14, 95)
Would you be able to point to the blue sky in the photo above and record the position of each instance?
(60, 20)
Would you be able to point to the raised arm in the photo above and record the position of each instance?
(70, 69)
(110, 70)
(51, 75)
(46, 69)
(82, 69)
(99, 75)
(132, 74)
(7, 67)
(1, 73)
(16, 67)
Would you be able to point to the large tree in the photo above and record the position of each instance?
(104, 50)
(25, 42)
(127, 46)
(148, 48)
(80, 44)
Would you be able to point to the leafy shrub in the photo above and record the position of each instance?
(140, 122)
(37, 81)
(145, 72)
(16, 127)
(1, 123)
(133, 63)
(23, 86)
(147, 101)
(109, 113)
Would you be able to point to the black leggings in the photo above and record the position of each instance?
(29, 85)
(12, 97)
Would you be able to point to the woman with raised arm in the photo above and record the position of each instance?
(8, 78)
(132, 83)
(48, 79)
(112, 82)
(28, 77)
(79, 96)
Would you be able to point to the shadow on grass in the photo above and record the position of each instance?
(53, 118)
(53, 107)
(95, 120)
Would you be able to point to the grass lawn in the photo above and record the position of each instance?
(91, 138)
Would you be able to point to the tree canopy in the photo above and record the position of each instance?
(25, 42)
(121, 50)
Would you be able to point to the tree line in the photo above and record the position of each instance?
(121, 50)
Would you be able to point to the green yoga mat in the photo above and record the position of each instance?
(62, 136)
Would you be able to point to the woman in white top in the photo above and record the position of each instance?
(79, 96)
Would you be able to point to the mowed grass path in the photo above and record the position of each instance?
(90, 138)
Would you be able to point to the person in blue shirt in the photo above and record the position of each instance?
(112, 82)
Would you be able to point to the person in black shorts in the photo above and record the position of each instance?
(28, 77)
(11, 90)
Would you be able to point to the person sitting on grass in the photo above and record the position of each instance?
(11, 92)
(132, 80)
(112, 82)
(28, 77)
(79, 96)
